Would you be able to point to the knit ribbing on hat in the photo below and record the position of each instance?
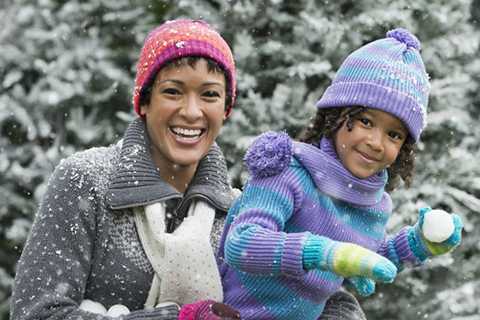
(387, 74)
(176, 39)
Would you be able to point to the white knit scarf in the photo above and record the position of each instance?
(184, 262)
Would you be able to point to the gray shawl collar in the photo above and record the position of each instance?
(138, 181)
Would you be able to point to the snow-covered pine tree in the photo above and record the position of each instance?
(286, 54)
(68, 69)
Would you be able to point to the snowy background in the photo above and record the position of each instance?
(67, 71)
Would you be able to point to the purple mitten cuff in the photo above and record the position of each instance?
(403, 247)
(292, 255)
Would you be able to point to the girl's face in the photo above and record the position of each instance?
(372, 145)
(185, 113)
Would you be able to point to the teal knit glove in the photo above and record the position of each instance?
(364, 286)
(424, 248)
(346, 260)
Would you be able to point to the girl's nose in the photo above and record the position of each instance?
(375, 140)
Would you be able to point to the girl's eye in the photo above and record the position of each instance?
(395, 135)
(365, 121)
(211, 94)
(171, 91)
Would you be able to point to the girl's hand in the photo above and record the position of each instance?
(426, 238)
(364, 286)
(347, 260)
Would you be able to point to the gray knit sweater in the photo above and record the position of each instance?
(83, 243)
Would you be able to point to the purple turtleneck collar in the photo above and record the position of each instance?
(271, 152)
(331, 177)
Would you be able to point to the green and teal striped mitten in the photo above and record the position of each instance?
(347, 260)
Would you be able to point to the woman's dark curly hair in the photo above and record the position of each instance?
(328, 121)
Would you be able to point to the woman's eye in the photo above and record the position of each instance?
(211, 94)
(171, 91)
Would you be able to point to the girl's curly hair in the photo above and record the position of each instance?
(328, 121)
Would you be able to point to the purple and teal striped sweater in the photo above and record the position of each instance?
(295, 193)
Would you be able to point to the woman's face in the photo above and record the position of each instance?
(185, 114)
(372, 145)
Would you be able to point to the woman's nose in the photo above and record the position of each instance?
(191, 109)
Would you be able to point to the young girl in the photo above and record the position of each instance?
(313, 213)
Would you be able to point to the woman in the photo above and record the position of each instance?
(130, 224)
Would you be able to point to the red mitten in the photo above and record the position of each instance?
(208, 310)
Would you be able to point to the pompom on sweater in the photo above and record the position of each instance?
(270, 154)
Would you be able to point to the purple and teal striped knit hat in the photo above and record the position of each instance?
(387, 74)
(179, 38)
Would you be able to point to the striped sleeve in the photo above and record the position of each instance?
(256, 242)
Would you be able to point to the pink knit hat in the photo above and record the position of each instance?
(176, 39)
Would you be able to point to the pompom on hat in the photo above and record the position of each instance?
(387, 74)
(176, 39)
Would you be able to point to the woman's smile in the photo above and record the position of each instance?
(187, 135)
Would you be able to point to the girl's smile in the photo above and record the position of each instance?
(366, 158)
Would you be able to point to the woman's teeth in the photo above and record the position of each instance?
(187, 134)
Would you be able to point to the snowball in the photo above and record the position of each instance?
(438, 226)
(117, 310)
(94, 307)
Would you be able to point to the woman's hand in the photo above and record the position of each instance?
(208, 310)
